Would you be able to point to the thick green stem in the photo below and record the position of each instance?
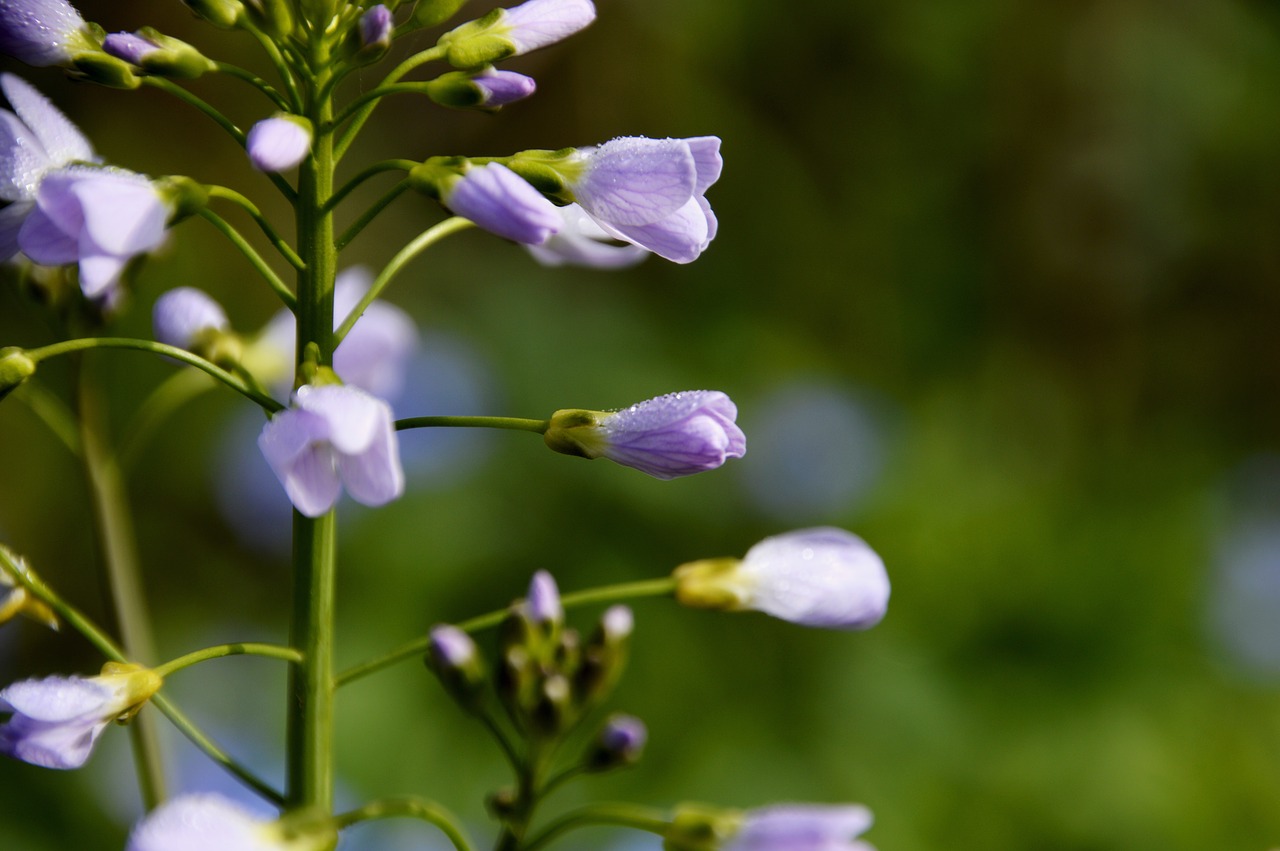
(310, 720)
(114, 528)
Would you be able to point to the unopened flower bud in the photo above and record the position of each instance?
(226, 14)
(455, 659)
(376, 28)
(544, 600)
(822, 577)
(487, 89)
(512, 32)
(553, 711)
(158, 54)
(605, 656)
(275, 17)
(428, 13)
(697, 827)
(15, 368)
(678, 434)
(189, 319)
(493, 197)
(620, 742)
(279, 143)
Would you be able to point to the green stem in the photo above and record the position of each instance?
(199, 103)
(254, 80)
(607, 594)
(114, 527)
(418, 808)
(623, 815)
(424, 241)
(237, 384)
(278, 60)
(221, 651)
(377, 94)
(357, 121)
(255, 259)
(509, 423)
(370, 214)
(372, 171)
(53, 412)
(286, 250)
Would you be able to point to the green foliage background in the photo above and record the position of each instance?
(1042, 237)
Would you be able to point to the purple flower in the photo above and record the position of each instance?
(582, 242)
(376, 25)
(130, 47)
(821, 577)
(101, 218)
(55, 721)
(184, 314)
(374, 356)
(36, 141)
(499, 88)
(678, 434)
(650, 192)
(538, 23)
(334, 436)
(41, 32)
(209, 822)
(802, 827)
(544, 599)
(278, 143)
(503, 203)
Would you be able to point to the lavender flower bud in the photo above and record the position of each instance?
(130, 47)
(189, 319)
(620, 742)
(42, 32)
(512, 32)
(455, 659)
(376, 26)
(158, 54)
(544, 600)
(674, 435)
(487, 89)
(823, 577)
(15, 368)
(499, 201)
(802, 827)
(279, 143)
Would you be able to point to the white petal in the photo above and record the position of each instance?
(62, 141)
(63, 746)
(352, 416)
(680, 237)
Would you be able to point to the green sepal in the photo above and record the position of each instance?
(184, 196)
(550, 172)
(576, 431)
(455, 90)
(711, 583)
(478, 43)
(105, 70)
(699, 827)
(175, 58)
(15, 368)
(275, 17)
(433, 176)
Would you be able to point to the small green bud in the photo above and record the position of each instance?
(698, 827)
(432, 176)
(428, 13)
(605, 656)
(18, 600)
(553, 712)
(15, 368)
(105, 70)
(226, 14)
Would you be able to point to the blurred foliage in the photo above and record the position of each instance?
(1041, 238)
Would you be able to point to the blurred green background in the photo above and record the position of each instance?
(996, 287)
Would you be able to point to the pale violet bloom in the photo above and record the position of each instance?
(333, 437)
(678, 434)
(451, 647)
(374, 356)
(582, 242)
(35, 141)
(802, 827)
(544, 599)
(376, 26)
(278, 143)
(130, 47)
(503, 203)
(183, 315)
(820, 577)
(538, 23)
(210, 822)
(651, 192)
(100, 218)
(54, 722)
(41, 32)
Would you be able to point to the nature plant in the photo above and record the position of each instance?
(76, 228)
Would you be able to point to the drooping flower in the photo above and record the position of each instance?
(333, 437)
(650, 192)
(802, 827)
(210, 822)
(98, 217)
(512, 32)
(503, 203)
(55, 721)
(582, 242)
(278, 143)
(678, 434)
(821, 577)
(42, 32)
(36, 141)
(374, 355)
(181, 316)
